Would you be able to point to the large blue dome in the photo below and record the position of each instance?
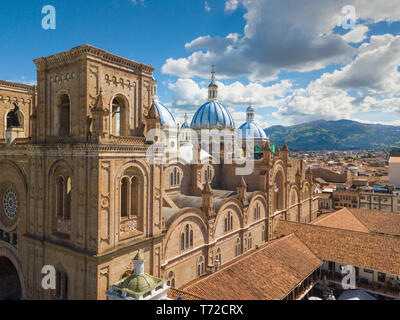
(252, 130)
(212, 114)
(166, 117)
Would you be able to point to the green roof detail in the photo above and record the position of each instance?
(136, 286)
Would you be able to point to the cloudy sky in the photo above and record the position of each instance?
(295, 60)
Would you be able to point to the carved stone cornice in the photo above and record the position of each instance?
(85, 51)
(79, 149)
(17, 87)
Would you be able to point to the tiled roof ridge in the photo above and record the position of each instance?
(323, 218)
(339, 229)
(340, 211)
(388, 214)
(239, 259)
(186, 293)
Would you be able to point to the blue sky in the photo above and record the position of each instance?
(295, 65)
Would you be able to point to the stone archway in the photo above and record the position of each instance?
(12, 283)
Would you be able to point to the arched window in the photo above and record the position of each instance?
(130, 197)
(257, 212)
(250, 242)
(63, 121)
(119, 117)
(208, 174)
(15, 120)
(238, 248)
(187, 238)
(63, 197)
(218, 257)
(61, 291)
(171, 279)
(200, 266)
(131, 203)
(67, 214)
(125, 185)
(229, 222)
(182, 241)
(175, 177)
(60, 196)
(61, 205)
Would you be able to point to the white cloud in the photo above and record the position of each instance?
(136, 2)
(187, 92)
(231, 5)
(300, 39)
(277, 38)
(386, 123)
(374, 69)
(369, 83)
(356, 35)
(207, 7)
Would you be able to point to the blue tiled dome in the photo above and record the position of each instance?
(166, 117)
(212, 114)
(252, 130)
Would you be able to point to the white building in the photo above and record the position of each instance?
(394, 171)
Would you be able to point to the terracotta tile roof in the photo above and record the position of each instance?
(379, 221)
(365, 250)
(269, 273)
(174, 294)
(342, 219)
(320, 180)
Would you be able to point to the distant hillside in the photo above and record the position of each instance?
(335, 135)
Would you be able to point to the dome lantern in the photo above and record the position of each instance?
(213, 88)
(251, 129)
(250, 114)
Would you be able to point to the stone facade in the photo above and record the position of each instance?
(87, 198)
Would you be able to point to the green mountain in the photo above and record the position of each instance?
(335, 135)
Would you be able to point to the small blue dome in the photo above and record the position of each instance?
(166, 117)
(185, 125)
(212, 114)
(252, 130)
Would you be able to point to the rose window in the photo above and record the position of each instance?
(10, 203)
